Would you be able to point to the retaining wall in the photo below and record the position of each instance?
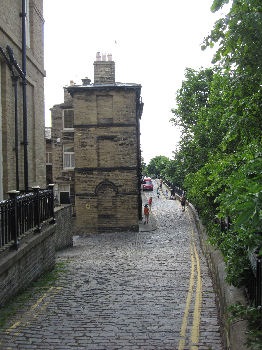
(234, 334)
(36, 254)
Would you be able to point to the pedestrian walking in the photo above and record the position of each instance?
(183, 202)
(157, 192)
(146, 213)
(166, 194)
(150, 203)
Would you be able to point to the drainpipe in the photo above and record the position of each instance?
(10, 61)
(15, 80)
(24, 83)
(139, 110)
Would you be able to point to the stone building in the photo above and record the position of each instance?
(63, 156)
(22, 134)
(96, 132)
(49, 156)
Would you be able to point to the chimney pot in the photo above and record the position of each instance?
(98, 56)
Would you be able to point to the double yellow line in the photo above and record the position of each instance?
(194, 289)
(39, 305)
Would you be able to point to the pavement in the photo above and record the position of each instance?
(146, 290)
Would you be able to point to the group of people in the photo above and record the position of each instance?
(148, 206)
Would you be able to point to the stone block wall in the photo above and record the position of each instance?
(36, 255)
(107, 205)
(64, 227)
(19, 268)
(106, 157)
(11, 34)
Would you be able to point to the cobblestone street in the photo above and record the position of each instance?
(147, 290)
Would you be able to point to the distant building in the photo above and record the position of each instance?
(18, 148)
(49, 156)
(96, 150)
(63, 155)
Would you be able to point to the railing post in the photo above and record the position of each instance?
(259, 283)
(36, 190)
(14, 218)
(52, 211)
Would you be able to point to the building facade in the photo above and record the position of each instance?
(96, 143)
(22, 144)
(63, 155)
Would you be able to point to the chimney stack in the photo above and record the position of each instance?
(86, 81)
(104, 71)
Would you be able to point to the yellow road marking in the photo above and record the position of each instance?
(38, 302)
(195, 329)
(14, 326)
(188, 301)
(198, 303)
(41, 299)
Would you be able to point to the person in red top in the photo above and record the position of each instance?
(150, 203)
(146, 213)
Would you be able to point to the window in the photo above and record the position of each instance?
(69, 157)
(64, 194)
(68, 119)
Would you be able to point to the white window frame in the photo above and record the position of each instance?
(64, 128)
(68, 157)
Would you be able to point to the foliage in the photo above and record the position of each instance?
(156, 166)
(219, 158)
(253, 316)
(143, 166)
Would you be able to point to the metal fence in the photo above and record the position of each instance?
(22, 213)
(254, 283)
(174, 189)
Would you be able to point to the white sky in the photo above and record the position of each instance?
(152, 42)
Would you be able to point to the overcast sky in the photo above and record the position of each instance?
(152, 42)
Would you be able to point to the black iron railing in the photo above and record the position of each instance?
(254, 283)
(22, 213)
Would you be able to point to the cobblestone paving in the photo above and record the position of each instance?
(147, 290)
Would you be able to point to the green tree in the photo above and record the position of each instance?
(220, 149)
(156, 166)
